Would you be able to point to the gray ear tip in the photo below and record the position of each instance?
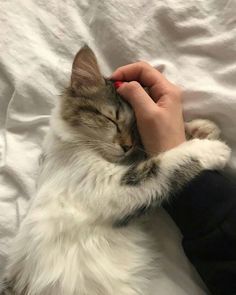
(84, 52)
(85, 46)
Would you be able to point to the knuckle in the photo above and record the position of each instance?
(133, 86)
(144, 64)
(176, 92)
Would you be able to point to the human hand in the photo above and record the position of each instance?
(159, 114)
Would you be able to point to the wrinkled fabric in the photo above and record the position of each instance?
(192, 42)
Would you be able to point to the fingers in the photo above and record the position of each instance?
(146, 75)
(137, 97)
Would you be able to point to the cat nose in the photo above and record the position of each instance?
(126, 147)
(126, 142)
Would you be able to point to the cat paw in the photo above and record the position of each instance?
(202, 129)
(212, 154)
(200, 154)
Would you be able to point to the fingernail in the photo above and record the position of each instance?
(117, 84)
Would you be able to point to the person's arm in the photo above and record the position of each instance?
(205, 211)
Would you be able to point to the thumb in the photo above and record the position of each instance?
(137, 97)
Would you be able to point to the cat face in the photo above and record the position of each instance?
(103, 121)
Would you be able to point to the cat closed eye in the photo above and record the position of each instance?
(126, 147)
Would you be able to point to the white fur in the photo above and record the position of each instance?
(67, 246)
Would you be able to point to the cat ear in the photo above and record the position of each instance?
(85, 70)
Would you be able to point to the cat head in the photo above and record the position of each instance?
(94, 114)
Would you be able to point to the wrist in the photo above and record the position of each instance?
(156, 147)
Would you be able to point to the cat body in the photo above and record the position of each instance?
(84, 233)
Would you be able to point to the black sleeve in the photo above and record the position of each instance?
(205, 212)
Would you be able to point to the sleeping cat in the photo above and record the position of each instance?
(86, 230)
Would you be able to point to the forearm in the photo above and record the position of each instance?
(205, 212)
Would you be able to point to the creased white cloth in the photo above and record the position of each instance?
(193, 42)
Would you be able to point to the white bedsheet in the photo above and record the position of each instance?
(192, 41)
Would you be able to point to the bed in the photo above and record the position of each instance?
(192, 42)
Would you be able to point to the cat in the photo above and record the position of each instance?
(86, 231)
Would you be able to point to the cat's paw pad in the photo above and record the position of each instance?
(202, 129)
(213, 154)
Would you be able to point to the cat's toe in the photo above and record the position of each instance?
(203, 129)
(213, 154)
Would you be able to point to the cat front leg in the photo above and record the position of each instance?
(148, 183)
